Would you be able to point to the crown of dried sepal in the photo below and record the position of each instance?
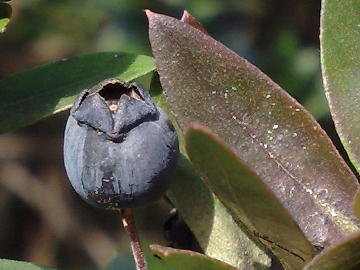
(120, 149)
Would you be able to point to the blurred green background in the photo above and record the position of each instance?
(42, 219)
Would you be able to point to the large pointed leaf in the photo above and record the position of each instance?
(219, 235)
(31, 95)
(344, 255)
(340, 60)
(206, 82)
(247, 197)
(189, 260)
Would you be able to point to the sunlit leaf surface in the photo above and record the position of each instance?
(31, 95)
(340, 59)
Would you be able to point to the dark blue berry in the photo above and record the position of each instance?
(120, 149)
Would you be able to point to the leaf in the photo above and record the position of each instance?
(276, 137)
(343, 255)
(5, 14)
(187, 260)
(187, 18)
(247, 197)
(216, 231)
(340, 61)
(357, 205)
(16, 265)
(122, 261)
(31, 95)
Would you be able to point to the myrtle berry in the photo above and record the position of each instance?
(120, 149)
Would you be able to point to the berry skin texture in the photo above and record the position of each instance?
(120, 149)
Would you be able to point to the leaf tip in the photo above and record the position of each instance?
(149, 14)
(190, 20)
(161, 251)
(186, 15)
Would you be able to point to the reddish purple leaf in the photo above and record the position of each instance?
(273, 134)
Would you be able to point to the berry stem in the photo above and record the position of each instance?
(128, 221)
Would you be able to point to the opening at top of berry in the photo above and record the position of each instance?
(113, 91)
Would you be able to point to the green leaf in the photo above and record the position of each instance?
(340, 60)
(188, 260)
(31, 95)
(247, 197)
(357, 205)
(216, 231)
(122, 261)
(16, 265)
(275, 136)
(344, 255)
(5, 14)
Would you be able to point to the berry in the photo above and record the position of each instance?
(120, 149)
